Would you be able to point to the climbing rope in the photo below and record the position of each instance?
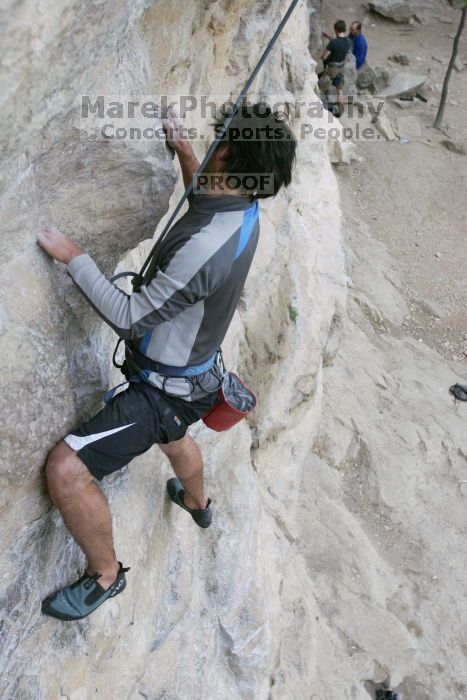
(147, 271)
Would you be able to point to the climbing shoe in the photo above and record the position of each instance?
(201, 516)
(459, 391)
(83, 596)
(384, 694)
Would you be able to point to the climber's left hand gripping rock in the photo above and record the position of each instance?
(57, 245)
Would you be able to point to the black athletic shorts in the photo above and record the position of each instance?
(338, 80)
(133, 421)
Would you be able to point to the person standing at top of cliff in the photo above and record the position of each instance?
(334, 60)
(174, 326)
(359, 43)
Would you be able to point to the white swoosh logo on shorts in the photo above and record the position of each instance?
(76, 442)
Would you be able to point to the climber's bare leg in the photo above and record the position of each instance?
(187, 463)
(84, 510)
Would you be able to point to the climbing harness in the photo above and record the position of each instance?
(234, 400)
(174, 381)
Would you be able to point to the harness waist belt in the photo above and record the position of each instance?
(142, 362)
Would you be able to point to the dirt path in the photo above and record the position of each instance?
(413, 195)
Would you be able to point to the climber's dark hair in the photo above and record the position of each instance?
(340, 26)
(259, 141)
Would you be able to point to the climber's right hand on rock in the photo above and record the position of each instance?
(175, 131)
(177, 139)
(58, 246)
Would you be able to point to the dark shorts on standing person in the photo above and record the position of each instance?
(131, 423)
(331, 75)
(338, 81)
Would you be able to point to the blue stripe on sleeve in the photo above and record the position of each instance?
(250, 218)
(144, 342)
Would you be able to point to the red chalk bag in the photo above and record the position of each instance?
(233, 403)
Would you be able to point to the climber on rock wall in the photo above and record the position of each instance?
(175, 325)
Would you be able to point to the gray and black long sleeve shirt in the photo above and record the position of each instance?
(181, 317)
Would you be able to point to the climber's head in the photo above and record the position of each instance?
(257, 141)
(340, 27)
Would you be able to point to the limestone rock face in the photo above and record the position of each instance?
(350, 75)
(373, 79)
(382, 78)
(403, 84)
(397, 10)
(366, 77)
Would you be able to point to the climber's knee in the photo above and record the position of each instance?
(65, 472)
(172, 449)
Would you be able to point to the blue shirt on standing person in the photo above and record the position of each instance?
(359, 43)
